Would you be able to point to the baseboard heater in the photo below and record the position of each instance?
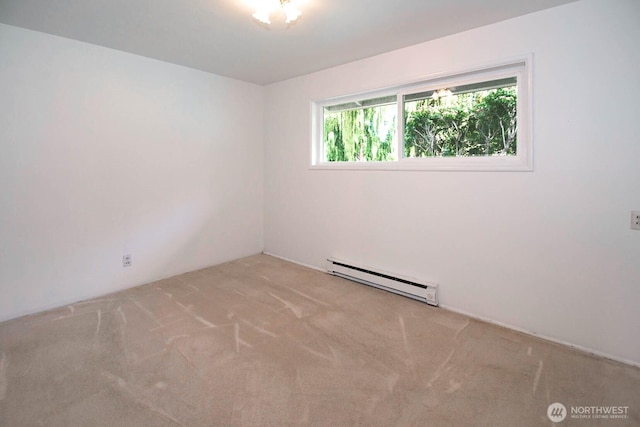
(419, 290)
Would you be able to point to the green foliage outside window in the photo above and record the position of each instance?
(364, 134)
(473, 123)
(482, 123)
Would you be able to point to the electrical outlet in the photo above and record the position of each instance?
(126, 260)
(635, 220)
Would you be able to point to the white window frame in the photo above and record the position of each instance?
(523, 160)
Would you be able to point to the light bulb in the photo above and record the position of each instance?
(266, 7)
(291, 12)
(262, 15)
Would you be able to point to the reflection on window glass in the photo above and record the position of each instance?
(472, 120)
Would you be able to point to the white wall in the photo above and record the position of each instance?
(548, 251)
(105, 153)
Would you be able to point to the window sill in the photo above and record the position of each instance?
(477, 164)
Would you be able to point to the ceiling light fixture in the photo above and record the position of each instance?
(267, 7)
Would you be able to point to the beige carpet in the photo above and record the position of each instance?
(262, 342)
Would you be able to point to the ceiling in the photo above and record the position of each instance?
(221, 37)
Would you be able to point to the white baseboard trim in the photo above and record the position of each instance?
(544, 337)
(501, 324)
(313, 267)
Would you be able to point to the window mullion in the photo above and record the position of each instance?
(400, 127)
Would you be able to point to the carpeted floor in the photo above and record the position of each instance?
(263, 342)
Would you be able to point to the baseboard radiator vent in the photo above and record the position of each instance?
(422, 291)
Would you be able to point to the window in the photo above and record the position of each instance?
(478, 120)
(360, 130)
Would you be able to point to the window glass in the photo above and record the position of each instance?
(474, 120)
(361, 130)
(477, 119)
